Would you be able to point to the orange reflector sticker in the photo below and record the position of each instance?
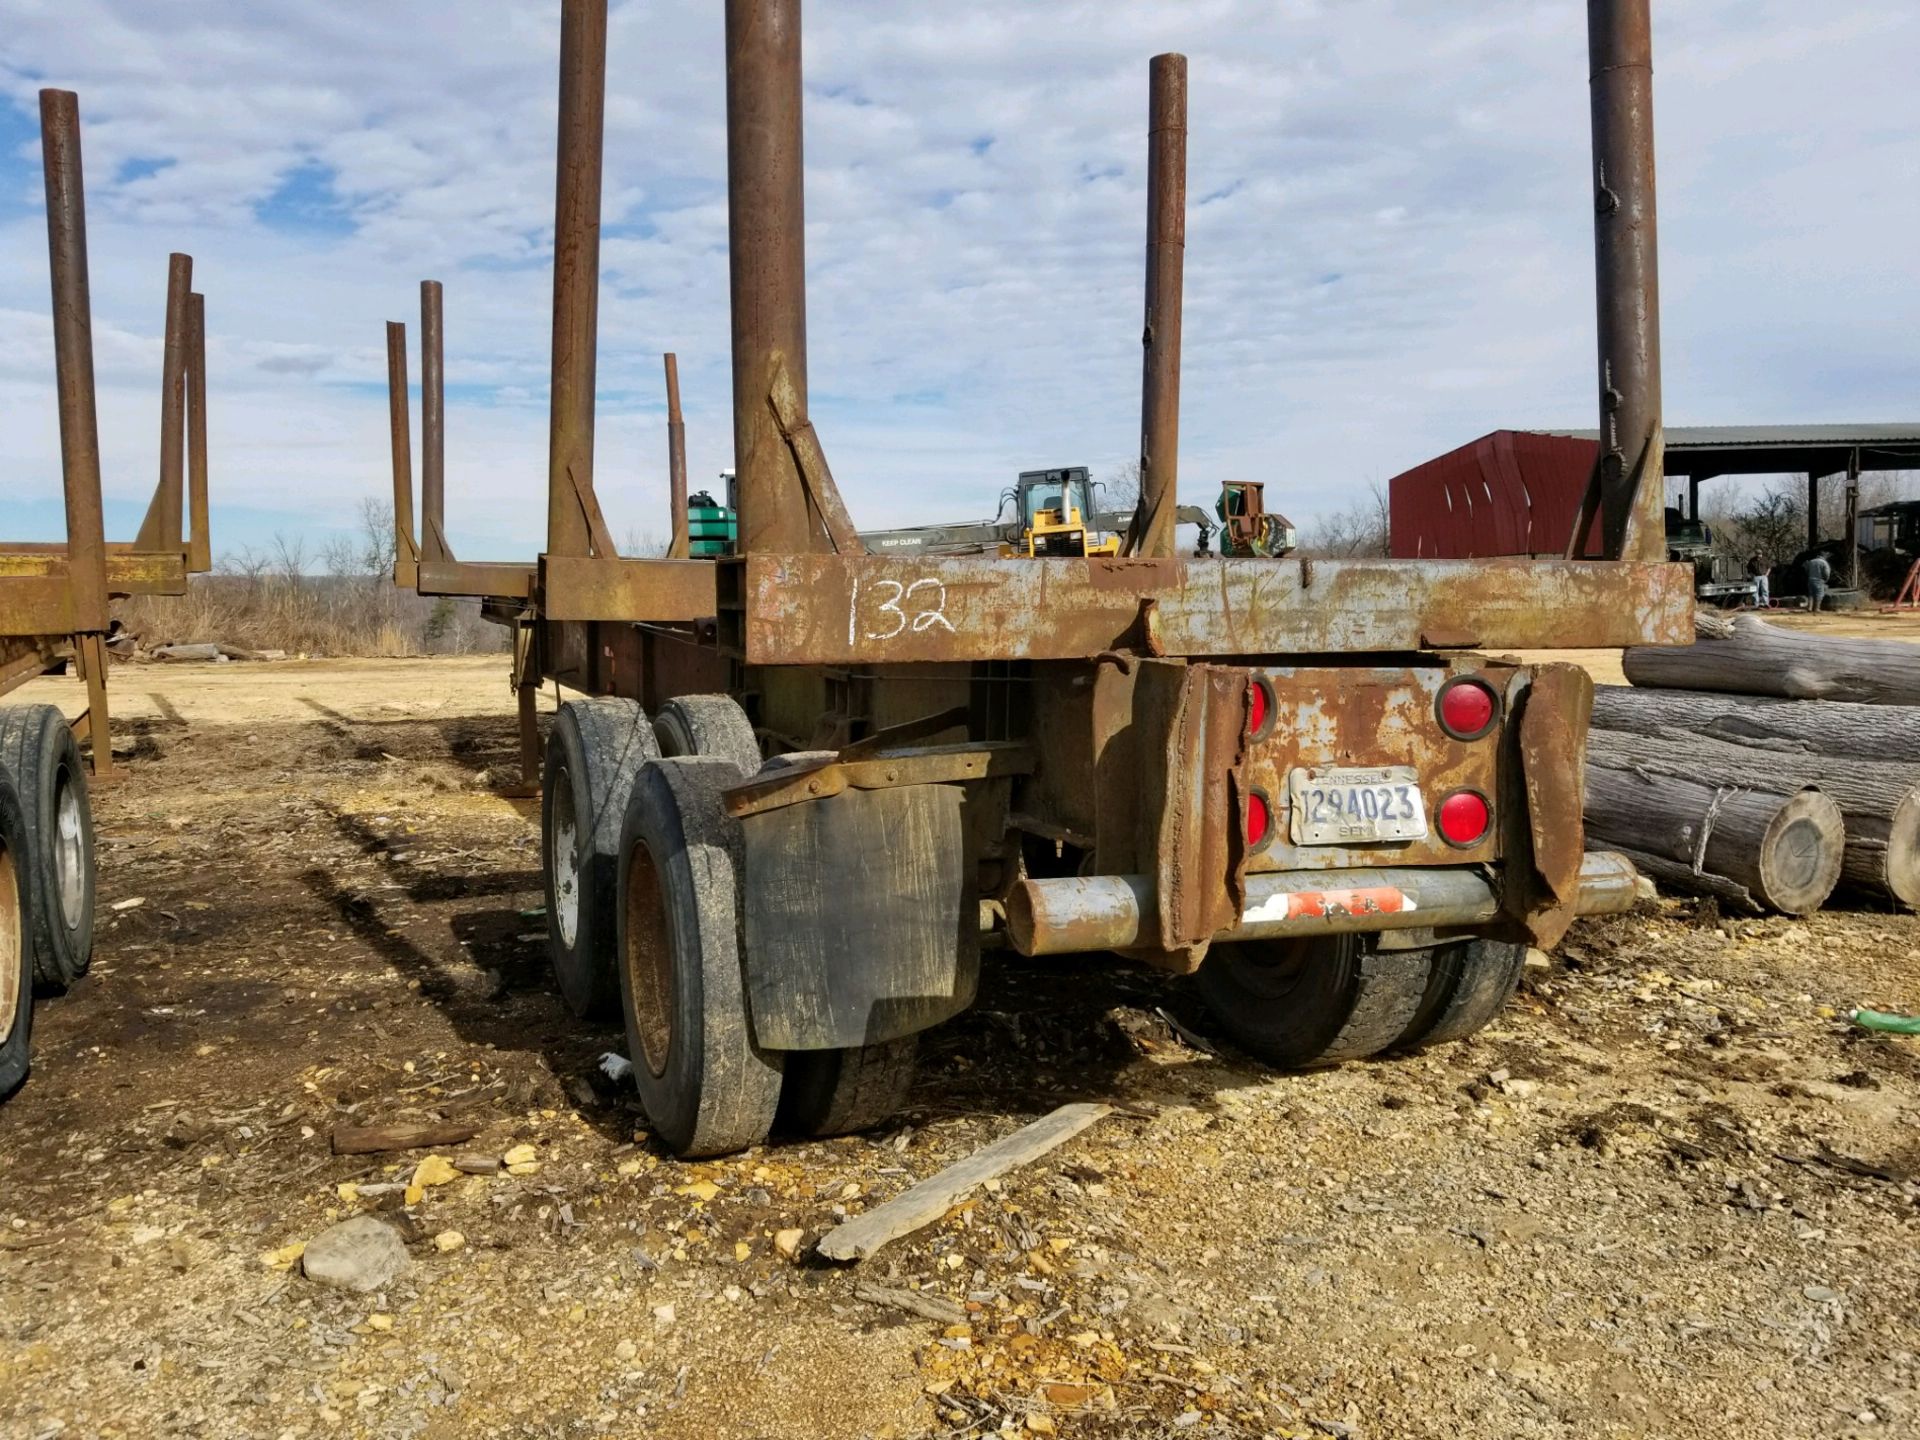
(1325, 904)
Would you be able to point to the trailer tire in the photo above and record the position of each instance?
(1470, 981)
(1298, 1003)
(706, 1087)
(16, 944)
(708, 725)
(836, 1092)
(594, 750)
(56, 855)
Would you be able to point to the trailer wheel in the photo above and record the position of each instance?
(836, 1092)
(16, 947)
(1295, 1003)
(708, 725)
(56, 855)
(594, 750)
(707, 1089)
(1468, 984)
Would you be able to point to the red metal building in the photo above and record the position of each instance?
(1514, 492)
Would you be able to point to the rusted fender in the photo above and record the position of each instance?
(1543, 883)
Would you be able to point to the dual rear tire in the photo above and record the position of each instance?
(16, 947)
(38, 749)
(46, 873)
(1307, 1002)
(706, 1087)
(594, 753)
(651, 920)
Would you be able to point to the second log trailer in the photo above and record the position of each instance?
(54, 601)
(804, 783)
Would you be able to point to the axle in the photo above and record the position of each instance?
(1118, 912)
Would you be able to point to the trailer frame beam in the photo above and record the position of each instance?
(901, 609)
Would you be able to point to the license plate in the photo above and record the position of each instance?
(1356, 806)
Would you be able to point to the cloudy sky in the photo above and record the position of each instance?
(1389, 238)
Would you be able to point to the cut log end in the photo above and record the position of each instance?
(1800, 855)
(1879, 800)
(1784, 847)
(1902, 863)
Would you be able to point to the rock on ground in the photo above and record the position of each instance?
(360, 1254)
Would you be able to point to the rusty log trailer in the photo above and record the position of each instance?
(54, 596)
(54, 599)
(1302, 781)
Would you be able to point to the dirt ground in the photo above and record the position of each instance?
(1670, 1193)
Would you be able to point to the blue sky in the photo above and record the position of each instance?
(1389, 240)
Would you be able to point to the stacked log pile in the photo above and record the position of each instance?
(1709, 776)
(1747, 656)
(1875, 733)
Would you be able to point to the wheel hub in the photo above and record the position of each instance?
(563, 855)
(12, 939)
(648, 958)
(1270, 970)
(70, 856)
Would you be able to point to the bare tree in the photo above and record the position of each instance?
(1877, 487)
(378, 543)
(1360, 528)
(1122, 487)
(643, 544)
(341, 556)
(247, 563)
(1772, 520)
(289, 557)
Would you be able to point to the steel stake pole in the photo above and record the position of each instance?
(677, 547)
(766, 231)
(406, 554)
(576, 274)
(1626, 263)
(1153, 524)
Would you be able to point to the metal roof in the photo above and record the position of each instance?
(1703, 451)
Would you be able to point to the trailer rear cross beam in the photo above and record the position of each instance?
(881, 609)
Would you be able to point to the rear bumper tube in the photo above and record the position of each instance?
(1116, 912)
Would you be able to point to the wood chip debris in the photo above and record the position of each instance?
(378, 1139)
(914, 1302)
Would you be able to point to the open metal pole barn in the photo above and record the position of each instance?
(1707, 452)
(808, 782)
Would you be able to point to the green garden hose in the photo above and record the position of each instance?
(1880, 1020)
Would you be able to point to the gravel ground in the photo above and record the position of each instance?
(1670, 1193)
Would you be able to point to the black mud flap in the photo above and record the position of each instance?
(861, 919)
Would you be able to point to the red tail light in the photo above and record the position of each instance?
(1464, 818)
(1259, 707)
(1467, 708)
(1259, 820)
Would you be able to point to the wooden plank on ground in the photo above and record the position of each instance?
(926, 1202)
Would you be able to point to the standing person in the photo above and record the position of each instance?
(1759, 567)
(1818, 574)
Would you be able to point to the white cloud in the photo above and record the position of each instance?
(1389, 245)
